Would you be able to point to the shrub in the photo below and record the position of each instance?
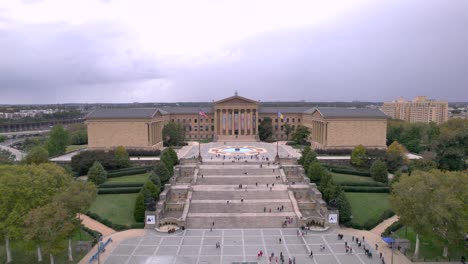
(81, 162)
(363, 184)
(120, 184)
(366, 189)
(37, 155)
(155, 179)
(121, 156)
(316, 171)
(152, 189)
(162, 171)
(379, 172)
(392, 228)
(126, 173)
(119, 190)
(371, 223)
(139, 212)
(350, 172)
(143, 153)
(137, 225)
(97, 174)
(358, 155)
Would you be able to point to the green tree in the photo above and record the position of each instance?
(301, 135)
(452, 145)
(97, 174)
(265, 129)
(58, 141)
(139, 212)
(78, 134)
(154, 177)
(328, 189)
(434, 204)
(396, 156)
(168, 158)
(422, 164)
(287, 130)
(2, 138)
(309, 158)
(160, 169)
(152, 189)
(23, 188)
(378, 171)
(50, 227)
(343, 206)
(6, 157)
(37, 155)
(76, 199)
(173, 134)
(358, 156)
(122, 158)
(304, 153)
(316, 171)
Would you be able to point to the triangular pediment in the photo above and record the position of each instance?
(316, 113)
(236, 100)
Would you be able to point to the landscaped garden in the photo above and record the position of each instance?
(116, 207)
(130, 178)
(367, 207)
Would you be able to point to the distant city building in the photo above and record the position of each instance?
(237, 118)
(421, 109)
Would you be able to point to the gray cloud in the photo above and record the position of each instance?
(379, 52)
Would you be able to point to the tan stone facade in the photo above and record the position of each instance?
(420, 109)
(237, 117)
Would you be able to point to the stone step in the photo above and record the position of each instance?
(237, 195)
(239, 220)
(252, 206)
(236, 180)
(239, 170)
(235, 188)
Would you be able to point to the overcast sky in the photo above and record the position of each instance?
(56, 51)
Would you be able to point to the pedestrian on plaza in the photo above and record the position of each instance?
(256, 184)
(270, 189)
(352, 238)
(264, 209)
(376, 247)
(311, 254)
(280, 240)
(380, 254)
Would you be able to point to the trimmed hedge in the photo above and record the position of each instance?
(119, 190)
(350, 172)
(143, 153)
(392, 228)
(120, 184)
(371, 223)
(364, 184)
(95, 234)
(126, 173)
(361, 189)
(131, 169)
(107, 222)
(137, 226)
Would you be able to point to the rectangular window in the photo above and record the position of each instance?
(183, 120)
(195, 120)
(299, 120)
(212, 120)
(294, 120)
(212, 128)
(206, 128)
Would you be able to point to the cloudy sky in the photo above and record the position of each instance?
(56, 51)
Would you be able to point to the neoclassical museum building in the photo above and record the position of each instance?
(236, 118)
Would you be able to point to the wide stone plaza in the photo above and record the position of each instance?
(197, 246)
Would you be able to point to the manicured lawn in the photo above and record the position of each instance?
(427, 249)
(130, 178)
(365, 206)
(339, 178)
(24, 253)
(117, 208)
(71, 148)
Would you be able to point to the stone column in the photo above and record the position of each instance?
(254, 118)
(232, 122)
(250, 122)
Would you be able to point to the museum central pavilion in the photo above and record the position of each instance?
(236, 118)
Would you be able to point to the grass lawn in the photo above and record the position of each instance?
(115, 207)
(71, 148)
(130, 178)
(23, 252)
(365, 206)
(427, 250)
(339, 178)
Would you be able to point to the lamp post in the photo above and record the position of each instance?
(99, 248)
(393, 247)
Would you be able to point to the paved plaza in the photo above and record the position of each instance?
(197, 246)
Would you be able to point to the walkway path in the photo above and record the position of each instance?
(18, 154)
(96, 226)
